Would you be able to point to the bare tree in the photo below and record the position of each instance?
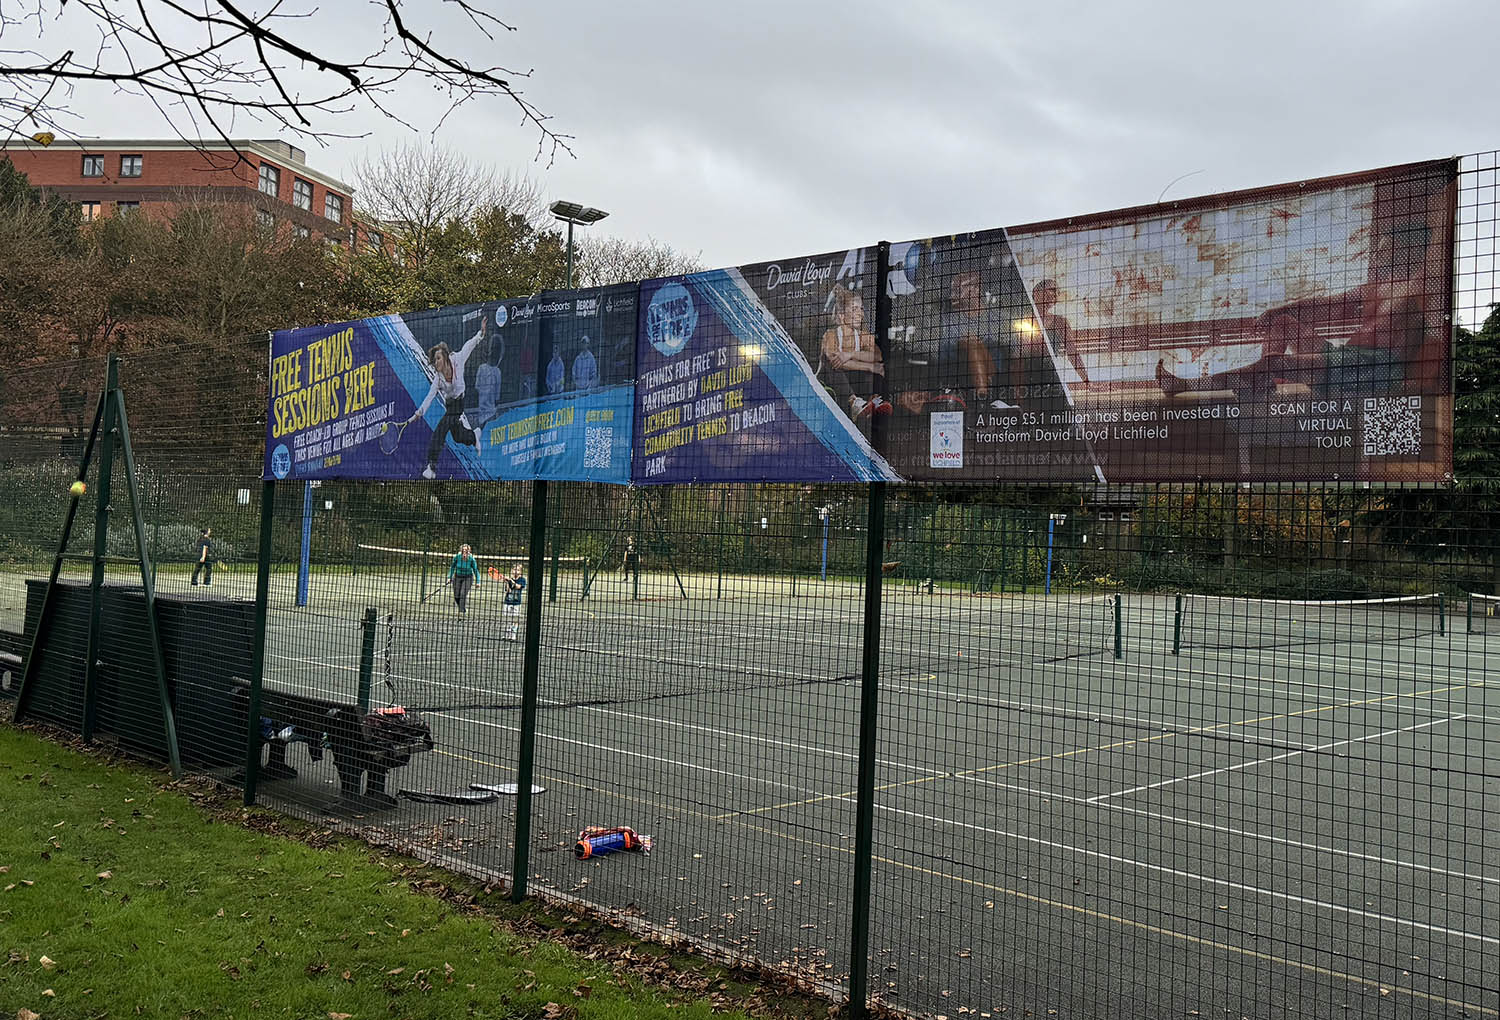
(204, 63)
(418, 191)
(604, 260)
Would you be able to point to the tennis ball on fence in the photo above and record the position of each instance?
(77, 489)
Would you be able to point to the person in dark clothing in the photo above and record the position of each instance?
(204, 561)
(632, 564)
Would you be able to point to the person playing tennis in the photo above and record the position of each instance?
(463, 574)
(515, 585)
(448, 383)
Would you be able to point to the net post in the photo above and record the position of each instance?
(1469, 614)
(258, 638)
(1442, 614)
(366, 659)
(1177, 626)
(526, 751)
(1119, 633)
(101, 550)
(869, 700)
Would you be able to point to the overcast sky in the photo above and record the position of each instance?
(764, 130)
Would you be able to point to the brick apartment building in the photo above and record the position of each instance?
(108, 177)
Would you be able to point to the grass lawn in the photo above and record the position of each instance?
(125, 895)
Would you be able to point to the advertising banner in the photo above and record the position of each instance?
(1298, 333)
(540, 387)
(764, 372)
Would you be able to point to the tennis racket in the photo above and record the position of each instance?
(390, 436)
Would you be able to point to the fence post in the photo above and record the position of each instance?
(366, 659)
(526, 752)
(869, 721)
(101, 550)
(869, 693)
(258, 637)
(1177, 626)
(719, 556)
(1119, 630)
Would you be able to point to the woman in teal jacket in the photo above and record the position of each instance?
(463, 574)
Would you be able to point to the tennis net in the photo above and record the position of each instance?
(1211, 621)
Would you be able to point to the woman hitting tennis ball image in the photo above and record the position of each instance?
(463, 574)
(448, 383)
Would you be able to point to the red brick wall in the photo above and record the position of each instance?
(164, 173)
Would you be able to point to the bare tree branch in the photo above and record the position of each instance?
(213, 61)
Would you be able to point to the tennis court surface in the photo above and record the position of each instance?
(1101, 806)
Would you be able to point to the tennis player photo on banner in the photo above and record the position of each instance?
(540, 387)
(767, 371)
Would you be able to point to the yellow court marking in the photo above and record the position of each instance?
(1077, 751)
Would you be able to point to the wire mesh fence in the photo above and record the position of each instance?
(1134, 750)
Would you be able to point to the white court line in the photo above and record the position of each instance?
(1335, 908)
(621, 752)
(1313, 904)
(1280, 757)
(1053, 795)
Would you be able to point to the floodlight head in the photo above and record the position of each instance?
(572, 212)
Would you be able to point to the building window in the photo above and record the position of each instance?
(270, 180)
(93, 166)
(264, 218)
(376, 241)
(301, 194)
(130, 166)
(302, 232)
(1126, 517)
(333, 207)
(126, 208)
(1106, 515)
(89, 210)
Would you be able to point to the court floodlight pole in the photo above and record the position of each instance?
(526, 752)
(869, 696)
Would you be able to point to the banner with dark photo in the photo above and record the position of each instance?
(979, 388)
(764, 372)
(1294, 333)
(538, 387)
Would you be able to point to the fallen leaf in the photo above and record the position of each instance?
(49, 993)
(47, 963)
(339, 1016)
(105, 875)
(395, 970)
(25, 1014)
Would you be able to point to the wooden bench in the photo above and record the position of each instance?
(362, 744)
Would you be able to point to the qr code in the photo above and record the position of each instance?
(1393, 426)
(597, 444)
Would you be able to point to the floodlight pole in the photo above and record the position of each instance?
(573, 214)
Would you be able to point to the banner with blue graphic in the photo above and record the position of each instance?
(766, 372)
(540, 387)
